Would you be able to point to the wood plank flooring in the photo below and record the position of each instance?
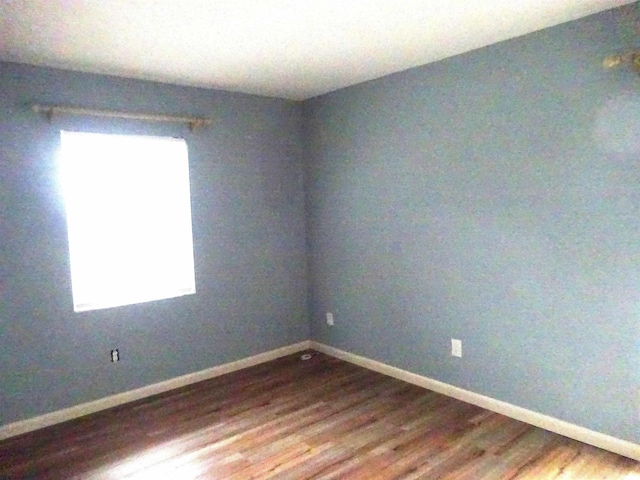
(292, 419)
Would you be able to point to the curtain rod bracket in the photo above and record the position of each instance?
(196, 124)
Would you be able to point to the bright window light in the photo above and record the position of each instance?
(129, 218)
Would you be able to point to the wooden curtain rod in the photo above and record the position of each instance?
(50, 110)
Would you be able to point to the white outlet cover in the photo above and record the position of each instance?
(329, 319)
(456, 347)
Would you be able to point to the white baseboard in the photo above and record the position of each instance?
(600, 440)
(59, 416)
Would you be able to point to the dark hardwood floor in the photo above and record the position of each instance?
(292, 419)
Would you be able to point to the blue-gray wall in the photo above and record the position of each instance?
(492, 197)
(248, 224)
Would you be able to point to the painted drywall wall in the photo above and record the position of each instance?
(248, 225)
(494, 198)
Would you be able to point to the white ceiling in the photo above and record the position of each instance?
(284, 48)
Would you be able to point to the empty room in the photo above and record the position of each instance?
(330, 240)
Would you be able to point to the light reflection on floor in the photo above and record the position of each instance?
(159, 464)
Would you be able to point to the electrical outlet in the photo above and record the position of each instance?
(330, 319)
(456, 347)
(115, 355)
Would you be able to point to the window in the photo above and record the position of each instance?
(128, 217)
